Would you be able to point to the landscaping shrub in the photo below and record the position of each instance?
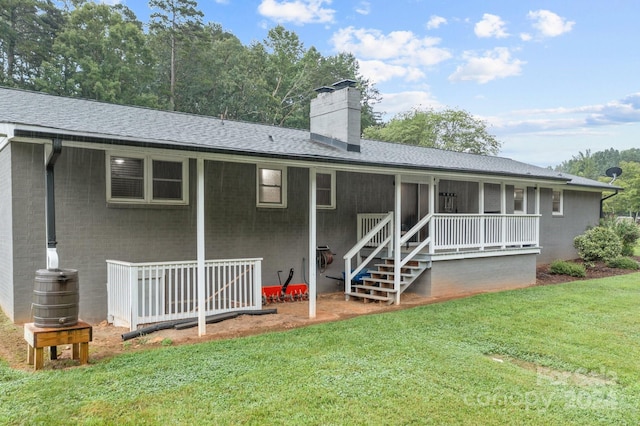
(560, 267)
(600, 243)
(629, 233)
(623, 263)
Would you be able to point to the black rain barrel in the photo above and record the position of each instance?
(55, 298)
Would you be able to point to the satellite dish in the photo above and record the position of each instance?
(613, 172)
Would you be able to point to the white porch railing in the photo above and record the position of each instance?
(476, 231)
(455, 232)
(143, 293)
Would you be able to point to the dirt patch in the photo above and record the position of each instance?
(107, 339)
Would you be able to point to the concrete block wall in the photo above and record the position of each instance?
(449, 278)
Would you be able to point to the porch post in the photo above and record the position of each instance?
(537, 212)
(481, 212)
(432, 211)
(397, 255)
(503, 212)
(312, 242)
(202, 314)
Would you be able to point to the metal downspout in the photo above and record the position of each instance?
(52, 255)
(606, 198)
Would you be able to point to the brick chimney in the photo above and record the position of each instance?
(335, 116)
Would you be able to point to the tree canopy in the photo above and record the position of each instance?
(450, 129)
(99, 51)
(594, 166)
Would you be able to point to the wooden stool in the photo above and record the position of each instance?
(39, 338)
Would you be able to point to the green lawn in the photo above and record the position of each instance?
(563, 354)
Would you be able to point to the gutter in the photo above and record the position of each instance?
(606, 198)
(52, 254)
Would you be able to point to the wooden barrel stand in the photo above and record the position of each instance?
(39, 338)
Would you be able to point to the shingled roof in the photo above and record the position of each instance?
(35, 114)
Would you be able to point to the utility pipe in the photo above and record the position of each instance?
(52, 254)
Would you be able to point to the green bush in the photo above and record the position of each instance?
(629, 233)
(560, 267)
(623, 263)
(600, 243)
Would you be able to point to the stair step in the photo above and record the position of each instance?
(390, 265)
(378, 280)
(373, 288)
(371, 296)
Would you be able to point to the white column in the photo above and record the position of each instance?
(397, 255)
(481, 212)
(202, 314)
(433, 194)
(503, 211)
(312, 242)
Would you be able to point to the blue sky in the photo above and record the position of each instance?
(550, 78)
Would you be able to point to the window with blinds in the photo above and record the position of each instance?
(146, 179)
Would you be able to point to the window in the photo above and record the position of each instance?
(326, 190)
(556, 203)
(272, 186)
(519, 204)
(146, 180)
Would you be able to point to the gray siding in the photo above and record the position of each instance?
(580, 211)
(6, 235)
(29, 238)
(90, 231)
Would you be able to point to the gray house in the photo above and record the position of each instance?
(159, 211)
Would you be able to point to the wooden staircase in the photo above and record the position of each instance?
(379, 285)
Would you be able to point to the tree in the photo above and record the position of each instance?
(453, 130)
(100, 54)
(628, 200)
(27, 32)
(173, 21)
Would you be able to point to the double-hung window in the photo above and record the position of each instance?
(326, 190)
(519, 201)
(271, 186)
(145, 179)
(556, 203)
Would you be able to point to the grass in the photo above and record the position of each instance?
(563, 354)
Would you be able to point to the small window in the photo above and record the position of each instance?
(518, 200)
(272, 189)
(556, 203)
(326, 190)
(146, 180)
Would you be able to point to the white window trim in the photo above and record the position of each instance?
(561, 212)
(524, 200)
(148, 179)
(332, 204)
(283, 188)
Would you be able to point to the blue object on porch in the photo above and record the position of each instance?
(358, 278)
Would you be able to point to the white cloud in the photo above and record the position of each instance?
(525, 37)
(549, 24)
(364, 8)
(491, 26)
(111, 2)
(395, 103)
(493, 64)
(297, 11)
(401, 47)
(222, 1)
(379, 71)
(435, 21)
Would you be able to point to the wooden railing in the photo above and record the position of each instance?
(144, 293)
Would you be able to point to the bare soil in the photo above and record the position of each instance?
(108, 342)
